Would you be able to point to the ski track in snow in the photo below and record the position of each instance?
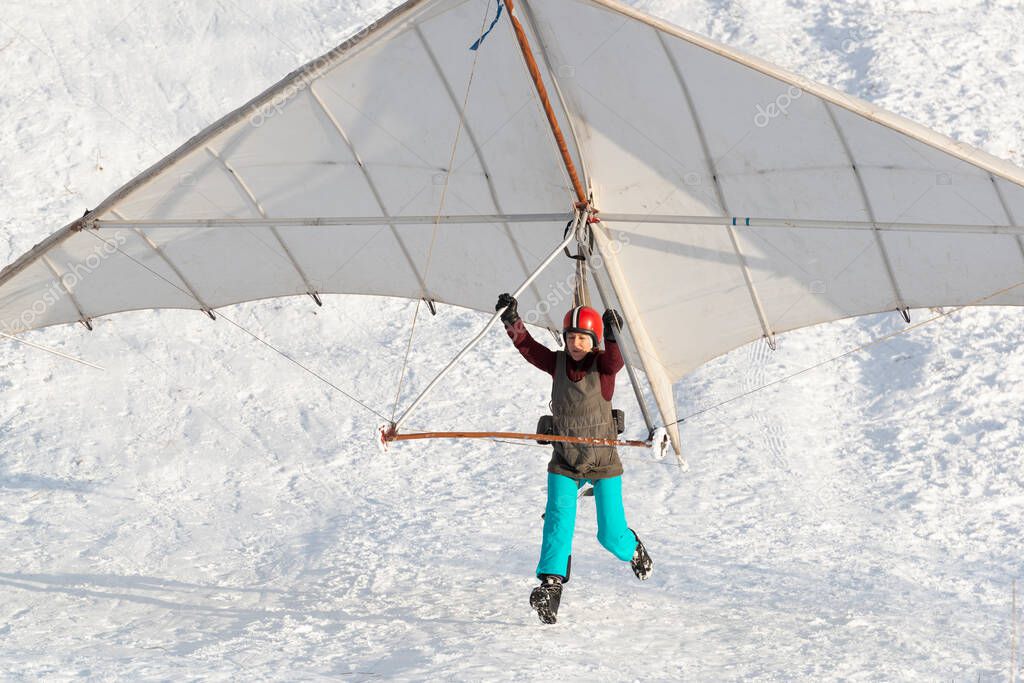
(203, 509)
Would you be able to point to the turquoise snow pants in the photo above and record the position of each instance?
(560, 522)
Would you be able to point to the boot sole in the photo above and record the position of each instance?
(643, 569)
(644, 573)
(539, 601)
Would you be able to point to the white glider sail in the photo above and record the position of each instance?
(738, 201)
(860, 211)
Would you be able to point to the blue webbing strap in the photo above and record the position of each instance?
(490, 28)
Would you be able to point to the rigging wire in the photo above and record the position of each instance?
(850, 352)
(49, 350)
(440, 211)
(405, 361)
(239, 326)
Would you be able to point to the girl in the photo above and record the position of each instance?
(581, 393)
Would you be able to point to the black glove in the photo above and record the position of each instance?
(509, 303)
(612, 323)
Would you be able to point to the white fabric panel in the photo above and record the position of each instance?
(470, 264)
(807, 276)
(195, 187)
(910, 129)
(503, 116)
(402, 126)
(931, 197)
(295, 163)
(952, 270)
(688, 289)
(34, 298)
(107, 279)
(775, 149)
(1014, 197)
(801, 194)
(875, 145)
(360, 259)
(229, 265)
(641, 145)
(908, 181)
(101, 275)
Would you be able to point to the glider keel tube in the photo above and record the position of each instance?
(490, 323)
(542, 94)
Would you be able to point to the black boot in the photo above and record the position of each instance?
(546, 596)
(641, 563)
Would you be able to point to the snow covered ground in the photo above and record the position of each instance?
(204, 509)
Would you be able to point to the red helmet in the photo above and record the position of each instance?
(585, 320)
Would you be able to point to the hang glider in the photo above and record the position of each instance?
(735, 200)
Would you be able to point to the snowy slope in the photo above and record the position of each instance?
(205, 509)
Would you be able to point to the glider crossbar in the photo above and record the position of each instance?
(390, 436)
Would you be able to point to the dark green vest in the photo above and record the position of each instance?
(579, 409)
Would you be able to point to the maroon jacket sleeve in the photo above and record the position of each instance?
(533, 351)
(608, 364)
